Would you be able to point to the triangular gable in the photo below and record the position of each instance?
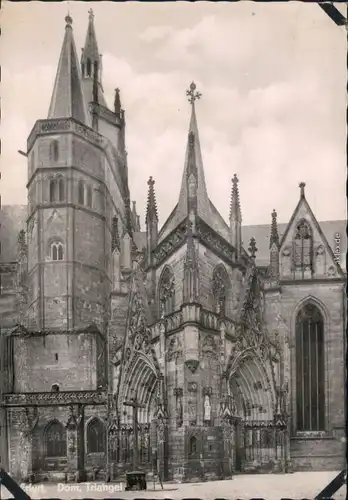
(304, 211)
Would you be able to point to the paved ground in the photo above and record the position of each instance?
(271, 486)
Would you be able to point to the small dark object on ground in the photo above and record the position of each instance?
(135, 480)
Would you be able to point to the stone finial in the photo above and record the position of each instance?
(252, 248)
(117, 102)
(151, 209)
(235, 211)
(274, 237)
(302, 186)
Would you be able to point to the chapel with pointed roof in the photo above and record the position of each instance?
(179, 345)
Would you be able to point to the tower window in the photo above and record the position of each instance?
(54, 150)
(81, 192)
(89, 196)
(57, 251)
(57, 189)
(55, 388)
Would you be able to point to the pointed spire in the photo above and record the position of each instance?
(117, 103)
(115, 237)
(302, 186)
(67, 99)
(191, 277)
(151, 209)
(90, 58)
(274, 238)
(235, 211)
(193, 155)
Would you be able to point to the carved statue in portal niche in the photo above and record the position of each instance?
(207, 408)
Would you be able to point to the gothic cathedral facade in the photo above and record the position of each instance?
(233, 366)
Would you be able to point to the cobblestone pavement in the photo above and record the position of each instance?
(272, 486)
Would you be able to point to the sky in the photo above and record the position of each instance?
(273, 79)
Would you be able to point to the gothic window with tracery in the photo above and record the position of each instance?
(303, 246)
(54, 150)
(167, 293)
(96, 436)
(220, 283)
(57, 251)
(310, 394)
(55, 440)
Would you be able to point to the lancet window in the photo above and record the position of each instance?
(303, 246)
(167, 292)
(54, 151)
(96, 437)
(57, 189)
(57, 251)
(84, 194)
(219, 289)
(310, 385)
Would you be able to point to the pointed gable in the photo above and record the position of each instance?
(316, 252)
(204, 206)
(67, 98)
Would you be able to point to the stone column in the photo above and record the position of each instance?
(28, 418)
(75, 444)
(227, 436)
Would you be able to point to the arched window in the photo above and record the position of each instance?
(96, 437)
(55, 440)
(54, 150)
(310, 395)
(55, 388)
(57, 251)
(89, 67)
(81, 192)
(61, 189)
(193, 445)
(53, 190)
(89, 196)
(167, 292)
(219, 288)
(303, 247)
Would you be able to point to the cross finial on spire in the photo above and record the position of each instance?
(302, 185)
(91, 14)
(68, 20)
(150, 182)
(192, 94)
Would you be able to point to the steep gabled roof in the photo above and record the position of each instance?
(204, 208)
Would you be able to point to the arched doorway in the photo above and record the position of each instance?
(252, 391)
(138, 393)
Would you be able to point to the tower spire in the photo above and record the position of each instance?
(67, 98)
(236, 217)
(90, 58)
